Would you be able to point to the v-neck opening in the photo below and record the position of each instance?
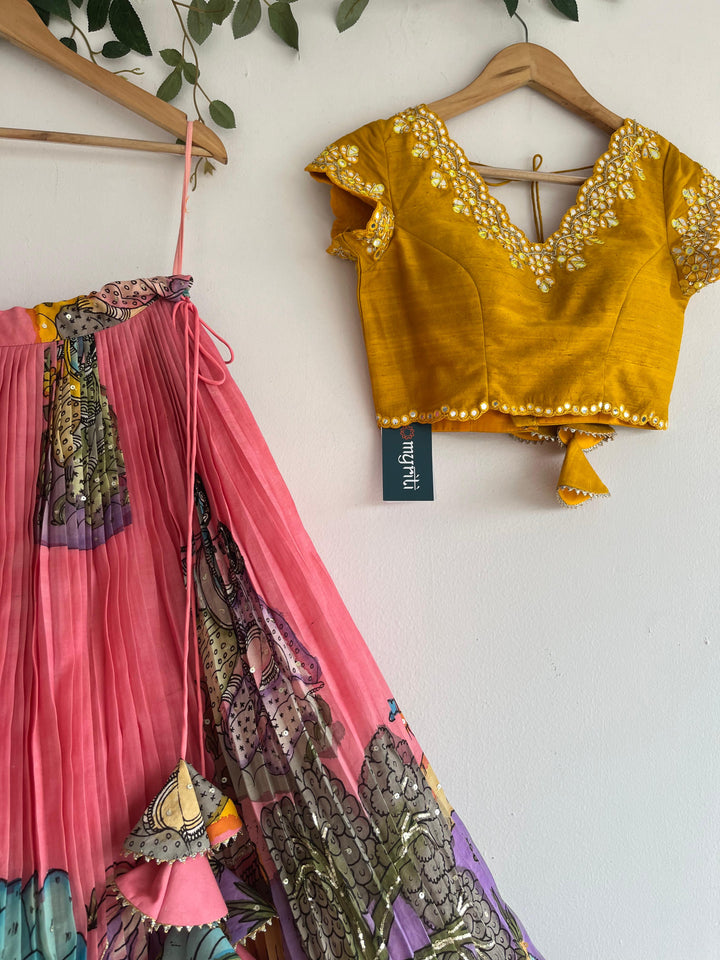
(614, 177)
(569, 214)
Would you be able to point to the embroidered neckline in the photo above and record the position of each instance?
(593, 210)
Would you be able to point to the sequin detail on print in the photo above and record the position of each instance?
(612, 179)
(113, 303)
(37, 919)
(336, 162)
(697, 255)
(82, 495)
(377, 875)
(263, 683)
(188, 817)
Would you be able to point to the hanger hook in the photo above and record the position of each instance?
(527, 38)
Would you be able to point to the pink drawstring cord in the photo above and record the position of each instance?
(193, 327)
(194, 350)
(177, 263)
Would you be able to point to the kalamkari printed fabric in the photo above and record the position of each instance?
(303, 822)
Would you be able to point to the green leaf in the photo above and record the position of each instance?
(568, 7)
(222, 114)
(78, 3)
(246, 17)
(282, 20)
(60, 8)
(170, 87)
(127, 28)
(190, 72)
(512, 6)
(198, 21)
(43, 14)
(97, 14)
(349, 13)
(219, 10)
(172, 57)
(69, 43)
(114, 49)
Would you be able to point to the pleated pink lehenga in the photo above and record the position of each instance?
(172, 799)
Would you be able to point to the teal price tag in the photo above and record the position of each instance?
(407, 462)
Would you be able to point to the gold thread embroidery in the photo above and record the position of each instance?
(530, 409)
(697, 255)
(335, 163)
(594, 208)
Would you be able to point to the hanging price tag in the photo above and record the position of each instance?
(407, 462)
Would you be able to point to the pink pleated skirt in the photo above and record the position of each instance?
(315, 816)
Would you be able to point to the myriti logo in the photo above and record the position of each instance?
(410, 478)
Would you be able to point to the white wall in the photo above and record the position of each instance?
(559, 666)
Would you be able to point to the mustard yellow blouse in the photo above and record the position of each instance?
(471, 326)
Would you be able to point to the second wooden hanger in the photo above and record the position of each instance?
(20, 24)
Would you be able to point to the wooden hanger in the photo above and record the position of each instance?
(528, 65)
(21, 26)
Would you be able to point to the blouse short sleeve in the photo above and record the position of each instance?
(356, 169)
(692, 205)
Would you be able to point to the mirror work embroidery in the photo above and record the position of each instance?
(613, 178)
(336, 161)
(697, 254)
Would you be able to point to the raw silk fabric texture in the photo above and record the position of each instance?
(470, 326)
(345, 842)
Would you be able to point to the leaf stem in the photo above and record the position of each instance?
(194, 175)
(91, 52)
(187, 39)
(203, 92)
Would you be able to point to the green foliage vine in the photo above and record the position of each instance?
(197, 19)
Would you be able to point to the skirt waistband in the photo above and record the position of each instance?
(87, 314)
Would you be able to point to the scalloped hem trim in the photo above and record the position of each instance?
(584, 493)
(155, 924)
(189, 856)
(619, 415)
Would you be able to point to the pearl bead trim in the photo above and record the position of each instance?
(618, 411)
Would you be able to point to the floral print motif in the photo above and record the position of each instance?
(82, 495)
(336, 162)
(697, 255)
(387, 857)
(613, 178)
